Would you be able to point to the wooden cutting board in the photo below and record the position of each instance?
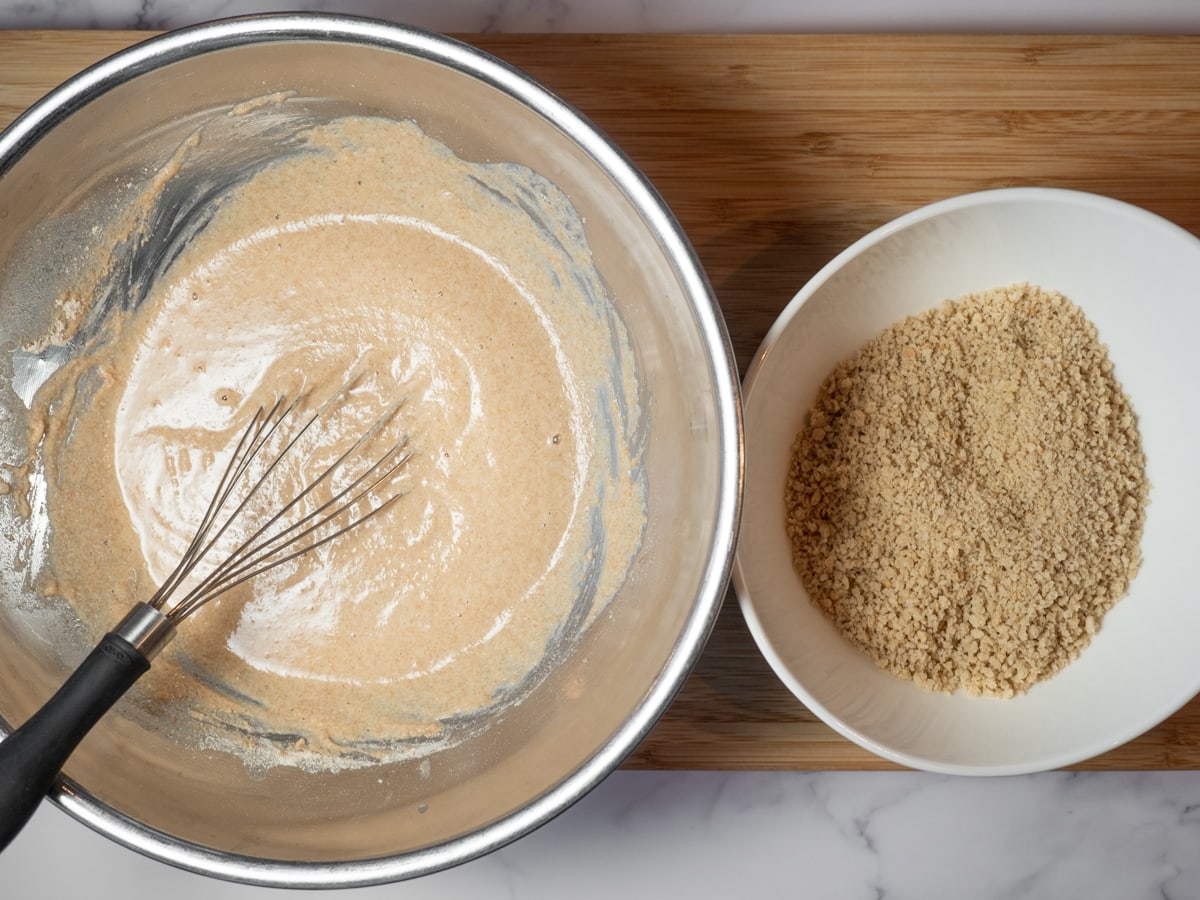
(776, 152)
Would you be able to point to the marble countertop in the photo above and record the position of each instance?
(536, 16)
(715, 834)
(833, 835)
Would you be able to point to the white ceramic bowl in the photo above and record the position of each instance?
(1137, 277)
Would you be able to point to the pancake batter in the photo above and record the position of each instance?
(373, 258)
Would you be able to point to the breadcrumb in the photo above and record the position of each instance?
(966, 499)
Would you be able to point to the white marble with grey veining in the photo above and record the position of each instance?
(874, 836)
(643, 15)
(899, 836)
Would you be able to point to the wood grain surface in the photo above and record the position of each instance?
(776, 152)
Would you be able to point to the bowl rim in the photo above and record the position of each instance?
(936, 209)
(162, 50)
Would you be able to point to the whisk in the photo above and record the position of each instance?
(32, 756)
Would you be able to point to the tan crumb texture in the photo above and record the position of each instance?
(966, 499)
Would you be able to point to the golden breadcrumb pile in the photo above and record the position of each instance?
(966, 499)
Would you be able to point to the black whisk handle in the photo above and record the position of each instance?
(31, 757)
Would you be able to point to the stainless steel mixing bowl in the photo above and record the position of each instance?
(90, 143)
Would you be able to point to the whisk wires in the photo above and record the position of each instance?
(282, 536)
